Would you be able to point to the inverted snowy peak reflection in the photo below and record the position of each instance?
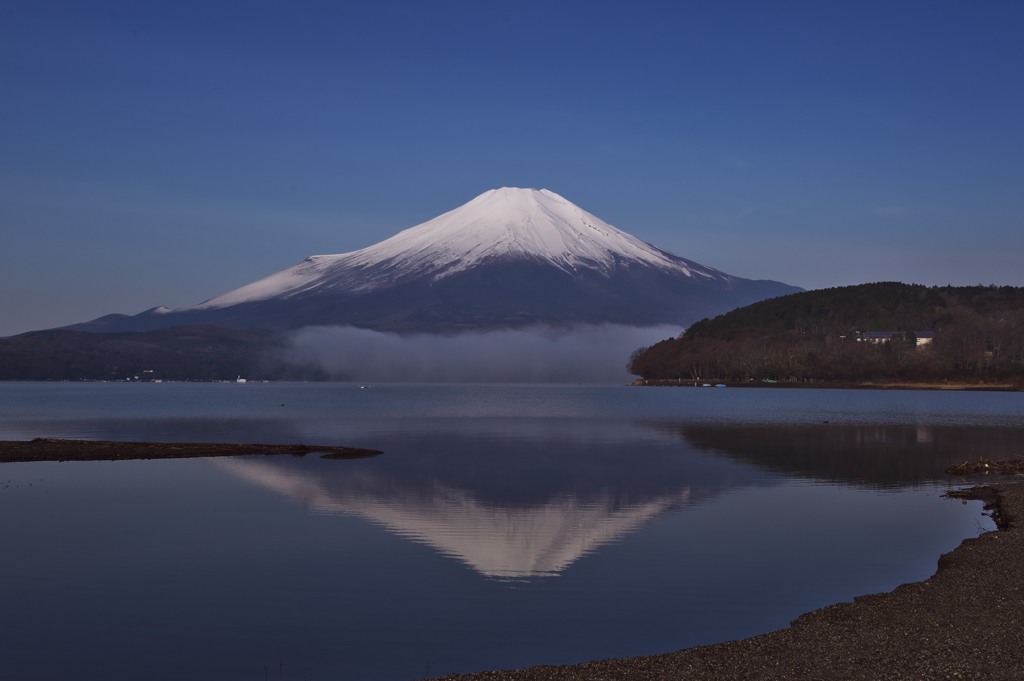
(533, 504)
(498, 541)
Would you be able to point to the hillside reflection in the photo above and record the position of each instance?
(872, 455)
(532, 504)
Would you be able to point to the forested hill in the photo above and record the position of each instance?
(883, 332)
(200, 353)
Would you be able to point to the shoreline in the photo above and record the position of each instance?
(827, 385)
(55, 449)
(962, 622)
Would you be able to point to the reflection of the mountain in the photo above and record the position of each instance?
(531, 503)
(874, 455)
(497, 541)
(508, 508)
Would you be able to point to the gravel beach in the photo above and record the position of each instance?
(964, 622)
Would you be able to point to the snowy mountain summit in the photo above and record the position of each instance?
(510, 257)
(501, 224)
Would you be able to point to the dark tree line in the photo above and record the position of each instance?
(178, 353)
(813, 336)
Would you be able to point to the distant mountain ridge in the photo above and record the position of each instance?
(508, 258)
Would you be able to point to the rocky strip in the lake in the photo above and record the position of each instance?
(55, 449)
(964, 622)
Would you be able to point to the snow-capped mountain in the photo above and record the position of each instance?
(501, 224)
(510, 257)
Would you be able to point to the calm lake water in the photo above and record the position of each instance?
(504, 526)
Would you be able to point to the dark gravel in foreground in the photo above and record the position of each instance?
(964, 622)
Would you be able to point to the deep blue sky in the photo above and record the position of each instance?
(159, 153)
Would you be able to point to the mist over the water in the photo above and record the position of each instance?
(590, 354)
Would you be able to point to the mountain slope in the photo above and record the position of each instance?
(508, 258)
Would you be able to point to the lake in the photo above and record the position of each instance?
(504, 525)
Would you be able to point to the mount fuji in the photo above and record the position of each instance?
(509, 258)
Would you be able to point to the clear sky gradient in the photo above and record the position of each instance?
(161, 153)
